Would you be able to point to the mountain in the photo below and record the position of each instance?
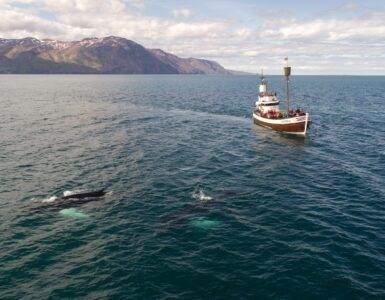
(235, 72)
(108, 55)
(189, 65)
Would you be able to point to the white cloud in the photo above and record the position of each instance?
(243, 32)
(19, 23)
(333, 30)
(326, 43)
(195, 30)
(181, 13)
(138, 3)
(87, 7)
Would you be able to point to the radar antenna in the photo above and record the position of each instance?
(262, 77)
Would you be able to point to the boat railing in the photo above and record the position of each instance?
(263, 94)
(275, 114)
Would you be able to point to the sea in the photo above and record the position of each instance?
(201, 203)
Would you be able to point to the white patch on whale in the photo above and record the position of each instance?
(65, 193)
(70, 193)
(49, 200)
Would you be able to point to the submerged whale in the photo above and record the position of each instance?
(205, 211)
(70, 200)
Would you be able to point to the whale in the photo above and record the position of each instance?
(84, 195)
(181, 216)
(198, 213)
(70, 200)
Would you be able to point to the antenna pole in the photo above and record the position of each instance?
(287, 94)
(287, 71)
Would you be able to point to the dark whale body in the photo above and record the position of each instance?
(71, 200)
(95, 194)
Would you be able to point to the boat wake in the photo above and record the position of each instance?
(194, 113)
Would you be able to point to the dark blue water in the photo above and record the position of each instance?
(201, 203)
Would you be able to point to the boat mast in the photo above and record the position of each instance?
(286, 72)
(263, 85)
(262, 77)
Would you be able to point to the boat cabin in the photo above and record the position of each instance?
(267, 102)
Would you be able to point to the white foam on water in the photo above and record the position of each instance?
(73, 213)
(50, 199)
(201, 196)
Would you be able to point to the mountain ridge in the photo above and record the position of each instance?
(106, 55)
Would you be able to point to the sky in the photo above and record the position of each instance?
(318, 36)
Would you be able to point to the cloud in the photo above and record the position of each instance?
(195, 30)
(344, 39)
(243, 32)
(87, 7)
(366, 28)
(182, 13)
(21, 23)
(138, 3)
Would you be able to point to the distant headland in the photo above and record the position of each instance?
(107, 55)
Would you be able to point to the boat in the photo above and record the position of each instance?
(267, 113)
